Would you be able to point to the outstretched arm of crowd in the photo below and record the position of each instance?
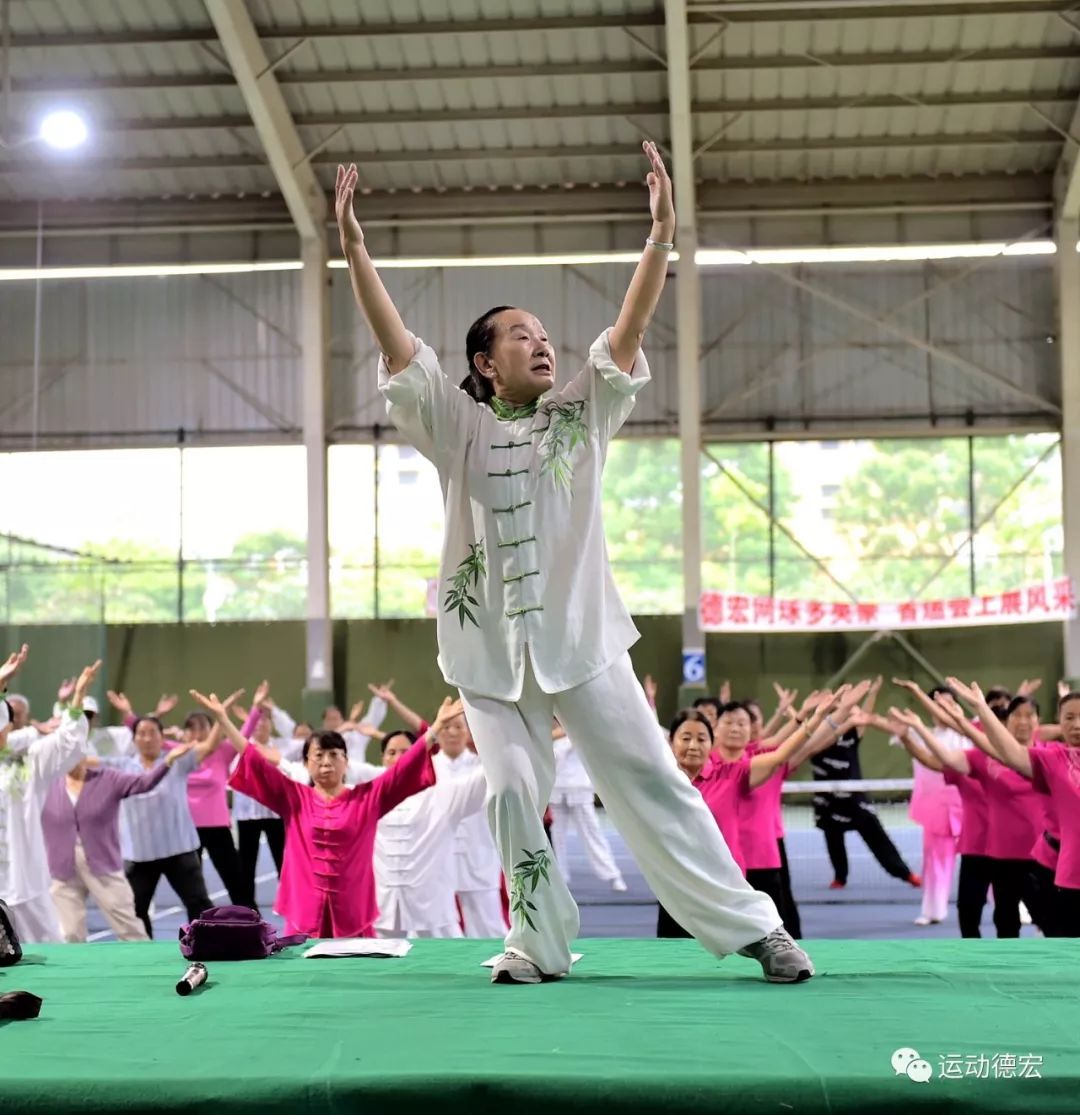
(55, 754)
(1004, 745)
(955, 760)
(932, 709)
(806, 735)
(837, 712)
(647, 284)
(219, 710)
(412, 720)
(371, 295)
(785, 700)
(917, 740)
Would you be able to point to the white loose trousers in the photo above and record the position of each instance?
(661, 816)
(582, 815)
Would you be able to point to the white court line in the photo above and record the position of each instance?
(168, 912)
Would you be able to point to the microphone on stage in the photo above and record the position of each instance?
(194, 977)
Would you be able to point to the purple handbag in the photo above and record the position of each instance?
(232, 933)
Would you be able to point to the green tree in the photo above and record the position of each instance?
(642, 504)
(132, 583)
(904, 513)
(265, 577)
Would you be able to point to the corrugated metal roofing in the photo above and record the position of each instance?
(456, 94)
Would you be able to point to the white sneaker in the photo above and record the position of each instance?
(923, 920)
(619, 885)
(512, 967)
(780, 958)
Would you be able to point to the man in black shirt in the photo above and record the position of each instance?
(837, 812)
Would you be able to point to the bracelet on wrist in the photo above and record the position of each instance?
(660, 245)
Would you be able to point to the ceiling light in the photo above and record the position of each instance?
(142, 270)
(63, 129)
(705, 257)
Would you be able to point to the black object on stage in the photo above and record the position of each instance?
(19, 1006)
(10, 949)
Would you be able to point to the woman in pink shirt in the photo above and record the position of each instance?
(209, 803)
(729, 780)
(759, 806)
(1054, 772)
(759, 732)
(1016, 813)
(327, 882)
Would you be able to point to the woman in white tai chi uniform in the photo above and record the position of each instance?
(531, 624)
(24, 782)
(573, 803)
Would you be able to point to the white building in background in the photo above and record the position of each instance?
(818, 470)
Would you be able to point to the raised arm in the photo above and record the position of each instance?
(55, 754)
(954, 760)
(645, 288)
(223, 725)
(955, 718)
(914, 736)
(765, 763)
(794, 719)
(872, 694)
(785, 700)
(371, 296)
(933, 710)
(8, 669)
(12, 665)
(412, 720)
(1007, 748)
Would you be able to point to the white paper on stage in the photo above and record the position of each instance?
(359, 946)
(574, 958)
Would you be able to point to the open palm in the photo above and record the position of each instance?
(348, 225)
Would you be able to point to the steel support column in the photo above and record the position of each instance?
(688, 337)
(307, 205)
(1068, 308)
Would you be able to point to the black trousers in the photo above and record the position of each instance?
(667, 926)
(218, 844)
(1068, 911)
(789, 911)
(867, 825)
(971, 892)
(767, 880)
(185, 876)
(249, 833)
(1023, 880)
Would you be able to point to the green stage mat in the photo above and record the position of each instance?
(641, 1026)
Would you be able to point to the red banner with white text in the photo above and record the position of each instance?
(732, 611)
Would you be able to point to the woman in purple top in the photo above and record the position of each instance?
(81, 824)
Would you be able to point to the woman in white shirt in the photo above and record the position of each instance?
(414, 850)
(24, 782)
(477, 871)
(573, 801)
(531, 622)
